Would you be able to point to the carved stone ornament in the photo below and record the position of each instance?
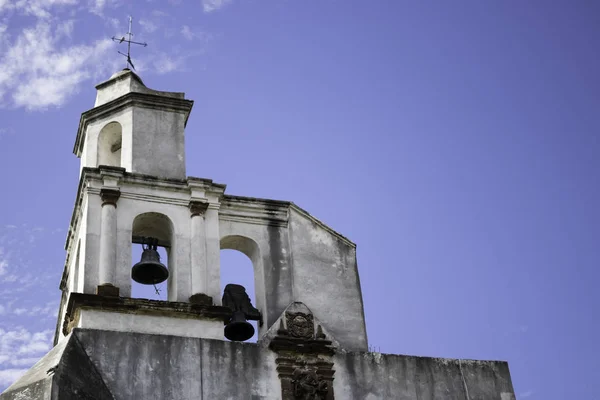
(300, 325)
(198, 207)
(110, 196)
(308, 385)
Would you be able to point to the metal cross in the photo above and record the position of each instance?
(129, 42)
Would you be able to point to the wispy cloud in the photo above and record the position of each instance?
(147, 25)
(190, 34)
(526, 394)
(38, 69)
(166, 64)
(214, 5)
(3, 262)
(21, 348)
(37, 8)
(10, 375)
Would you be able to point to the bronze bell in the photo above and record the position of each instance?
(149, 271)
(238, 329)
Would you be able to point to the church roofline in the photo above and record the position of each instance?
(144, 100)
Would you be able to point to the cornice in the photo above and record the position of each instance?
(306, 214)
(78, 301)
(143, 100)
(254, 211)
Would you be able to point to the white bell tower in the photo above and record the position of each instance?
(133, 186)
(133, 127)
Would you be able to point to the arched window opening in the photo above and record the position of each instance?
(237, 268)
(109, 145)
(151, 230)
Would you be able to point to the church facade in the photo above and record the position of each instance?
(312, 341)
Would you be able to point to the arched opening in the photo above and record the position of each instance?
(148, 227)
(109, 145)
(238, 258)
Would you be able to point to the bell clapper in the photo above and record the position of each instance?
(150, 271)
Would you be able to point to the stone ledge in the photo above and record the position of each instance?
(126, 305)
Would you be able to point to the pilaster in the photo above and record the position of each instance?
(108, 242)
(198, 253)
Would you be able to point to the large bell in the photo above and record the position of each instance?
(149, 271)
(238, 329)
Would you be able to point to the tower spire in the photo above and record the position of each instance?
(129, 42)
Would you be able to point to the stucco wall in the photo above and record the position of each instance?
(158, 143)
(142, 366)
(325, 277)
(372, 376)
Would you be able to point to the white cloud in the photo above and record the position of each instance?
(526, 394)
(34, 347)
(9, 376)
(39, 8)
(21, 348)
(166, 64)
(158, 13)
(3, 262)
(65, 29)
(214, 5)
(38, 73)
(189, 34)
(147, 26)
(98, 6)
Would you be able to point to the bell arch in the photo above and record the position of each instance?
(109, 145)
(153, 228)
(231, 247)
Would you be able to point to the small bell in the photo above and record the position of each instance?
(149, 271)
(238, 329)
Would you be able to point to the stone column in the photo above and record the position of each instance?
(213, 253)
(108, 243)
(198, 254)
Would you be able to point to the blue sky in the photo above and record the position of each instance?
(455, 142)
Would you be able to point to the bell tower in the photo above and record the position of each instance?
(135, 128)
(134, 191)
(312, 342)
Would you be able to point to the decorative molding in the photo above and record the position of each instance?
(198, 207)
(78, 301)
(110, 196)
(300, 325)
(299, 210)
(308, 384)
(131, 99)
(254, 211)
(304, 364)
(202, 299)
(107, 289)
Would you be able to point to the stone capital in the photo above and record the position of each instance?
(110, 196)
(198, 207)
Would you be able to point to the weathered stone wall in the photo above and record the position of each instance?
(160, 367)
(371, 376)
(325, 277)
(158, 135)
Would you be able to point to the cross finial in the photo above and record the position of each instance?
(122, 39)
